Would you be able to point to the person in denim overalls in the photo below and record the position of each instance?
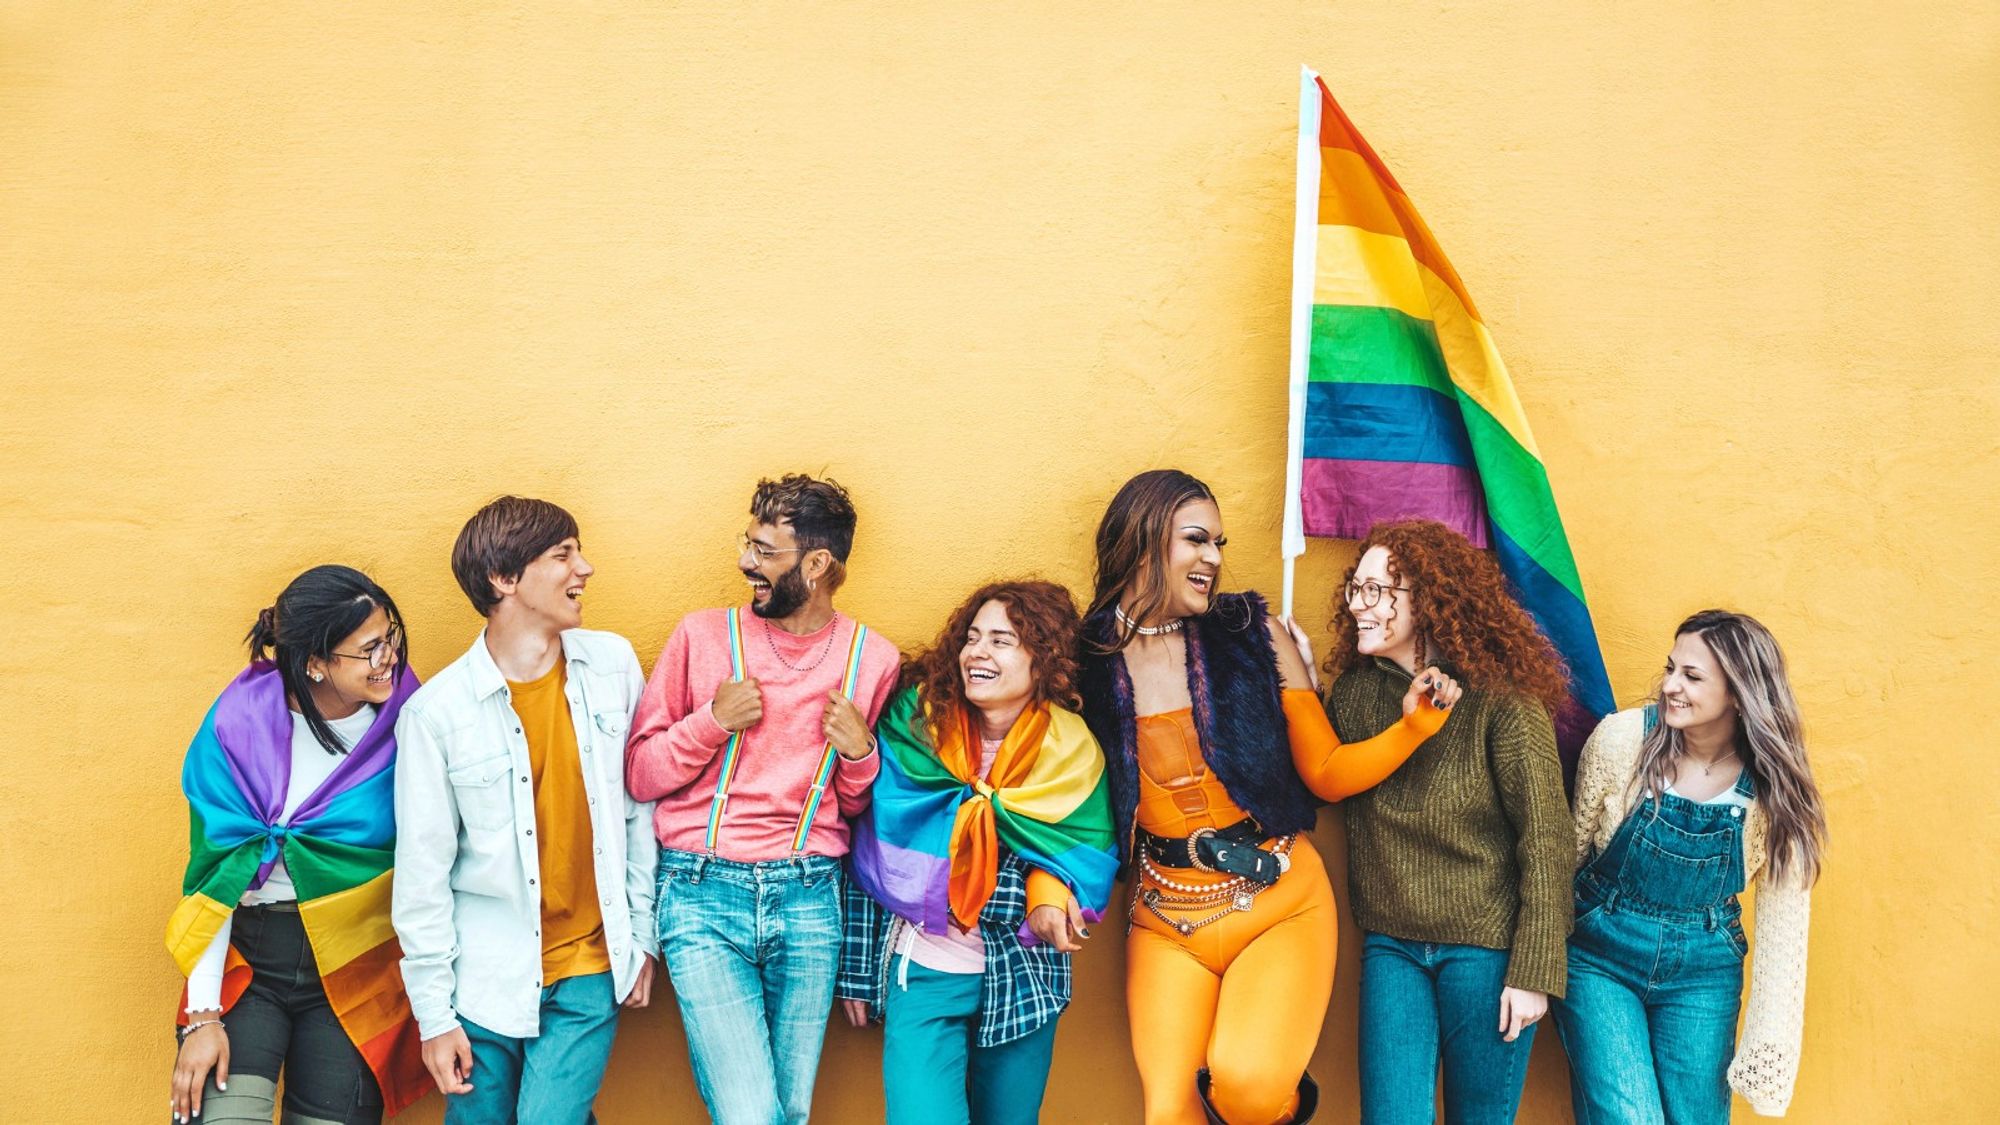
(1658, 953)
(1680, 807)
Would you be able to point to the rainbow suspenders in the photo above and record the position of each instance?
(822, 777)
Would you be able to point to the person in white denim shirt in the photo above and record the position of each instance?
(524, 885)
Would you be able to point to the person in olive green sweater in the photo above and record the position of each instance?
(1459, 865)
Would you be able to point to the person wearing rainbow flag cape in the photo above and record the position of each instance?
(988, 849)
(524, 873)
(284, 931)
(753, 736)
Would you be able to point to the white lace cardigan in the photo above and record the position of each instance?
(1767, 1051)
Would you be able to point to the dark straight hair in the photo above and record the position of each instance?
(1137, 529)
(320, 609)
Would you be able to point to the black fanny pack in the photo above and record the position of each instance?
(1232, 851)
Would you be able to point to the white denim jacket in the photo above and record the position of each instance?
(466, 902)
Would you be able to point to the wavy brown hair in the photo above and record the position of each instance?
(1465, 615)
(1042, 613)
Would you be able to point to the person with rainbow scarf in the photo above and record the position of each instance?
(753, 736)
(987, 849)
(284, 930)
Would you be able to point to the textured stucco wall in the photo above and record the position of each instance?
(288, 283)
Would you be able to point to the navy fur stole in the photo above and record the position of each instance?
(1233, 680)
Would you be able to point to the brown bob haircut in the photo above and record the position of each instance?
(500, 540)
(1043, 615)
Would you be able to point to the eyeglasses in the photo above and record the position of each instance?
(1369, 593)
(764, 554)
(382, 653)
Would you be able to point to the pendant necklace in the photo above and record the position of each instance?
(1709, 768)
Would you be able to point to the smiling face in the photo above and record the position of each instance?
(1193, 561)
(1389, 627)
(774, 565)
(994, 666)
(346, 678)
(550, 588)
(1694, 693)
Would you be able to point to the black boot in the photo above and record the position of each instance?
(1308, 1099)
(1201, 1082)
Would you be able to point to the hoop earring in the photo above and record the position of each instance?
(812, 584)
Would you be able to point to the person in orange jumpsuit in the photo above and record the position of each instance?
(1219, 756)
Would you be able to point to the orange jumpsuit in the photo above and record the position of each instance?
(1246, 995)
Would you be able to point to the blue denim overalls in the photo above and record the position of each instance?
(1656, 965)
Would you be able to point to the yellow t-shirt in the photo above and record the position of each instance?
(572, 921)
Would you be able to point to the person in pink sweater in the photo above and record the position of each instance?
(753, 737)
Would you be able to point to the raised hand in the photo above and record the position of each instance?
(738, 704)
(843, 725)
(1442, 689)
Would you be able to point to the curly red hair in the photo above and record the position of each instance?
(1044, 615)
(1463, 609)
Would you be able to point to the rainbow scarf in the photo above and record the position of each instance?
(1408, 408)
(338, 847)
(928, 848)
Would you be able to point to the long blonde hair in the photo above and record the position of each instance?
(1768, 734)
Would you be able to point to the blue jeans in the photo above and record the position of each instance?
(1423, 1000)
(752, 949)
(933, 1073)
(550, 1079)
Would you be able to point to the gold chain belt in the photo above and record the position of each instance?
(1238, 893)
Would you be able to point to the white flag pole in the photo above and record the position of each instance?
(1305, 257)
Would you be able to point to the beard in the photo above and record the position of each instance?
(789, 593)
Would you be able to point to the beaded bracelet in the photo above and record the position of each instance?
(198, 1025)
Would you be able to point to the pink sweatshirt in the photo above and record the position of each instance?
(675, 752)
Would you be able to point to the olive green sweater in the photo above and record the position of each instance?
(1470, 842)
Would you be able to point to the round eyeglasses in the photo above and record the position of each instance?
(380, 654)
(1369, 593)
(764, 553)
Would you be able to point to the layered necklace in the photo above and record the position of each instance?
(1173, 626)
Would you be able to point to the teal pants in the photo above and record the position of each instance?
(933, 1073)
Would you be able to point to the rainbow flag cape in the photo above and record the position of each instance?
(1401, 406)
(1058, 818)
(339, 847)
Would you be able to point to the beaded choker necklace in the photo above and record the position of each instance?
(1173, 626)
(771, 640)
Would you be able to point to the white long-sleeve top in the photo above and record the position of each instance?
(1766, 1066)
(312, 764)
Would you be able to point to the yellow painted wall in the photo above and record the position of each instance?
(287, 283)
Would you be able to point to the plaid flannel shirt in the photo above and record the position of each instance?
(1023, 987)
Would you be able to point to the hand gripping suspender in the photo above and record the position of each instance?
(822, 777)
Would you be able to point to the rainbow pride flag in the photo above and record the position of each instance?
(1401, 405)
(1057, 817)
(338, 847)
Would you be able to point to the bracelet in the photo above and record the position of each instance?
(197, 1026)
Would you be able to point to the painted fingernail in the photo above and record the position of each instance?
(222, 1085)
